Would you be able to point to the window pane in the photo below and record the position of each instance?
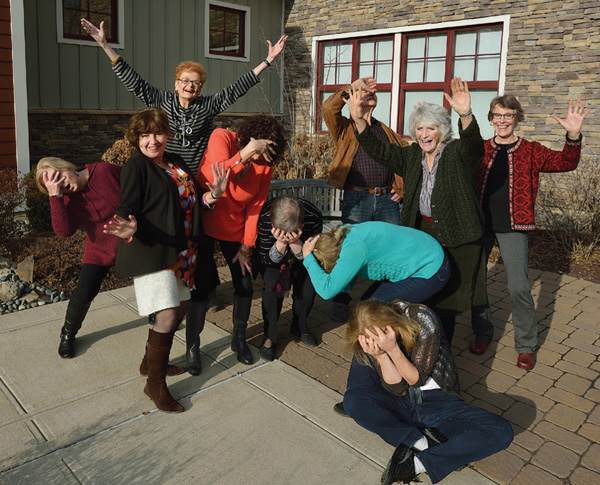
(488, 68)
(464, 68)
(383, 72)
(103, 6)
(480, 104)
(217, 19)
(464, 43)
(385, 49)
(344, 74)
(75, 4)
(328, 53)
(490, 41)
(366, 51)
(345, 52)
(366, 70)
(414, 71)
(328, 75)
(232, 23)
(71, 22)
(435, 70)
(411, 98)
(345, 111)
(436, 45)
(382, 111)
(415, 46)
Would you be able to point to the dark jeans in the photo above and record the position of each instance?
(473, 433)
(90, 280)
(272, 301)
(413, 290)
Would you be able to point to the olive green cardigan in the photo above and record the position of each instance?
(455, 209)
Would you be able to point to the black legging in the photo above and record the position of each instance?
(90, 280)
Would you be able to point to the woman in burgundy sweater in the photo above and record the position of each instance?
(82, 199)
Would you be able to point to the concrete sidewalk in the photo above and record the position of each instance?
(86, 420)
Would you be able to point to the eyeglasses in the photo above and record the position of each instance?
(506, 116)
(185, 82)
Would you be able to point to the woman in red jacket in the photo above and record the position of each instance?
(84, 198)
(508, 184)
(250, 154)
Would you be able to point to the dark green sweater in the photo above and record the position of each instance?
(455, 207)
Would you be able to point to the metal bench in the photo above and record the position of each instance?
(325, 197)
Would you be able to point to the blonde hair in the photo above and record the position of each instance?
(54, 163)
(327, 249)
(375, 313)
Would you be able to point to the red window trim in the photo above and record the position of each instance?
(85, 13)
(242, 17)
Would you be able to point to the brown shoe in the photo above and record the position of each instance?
(526, 361)
(157, 356)
(477, 347)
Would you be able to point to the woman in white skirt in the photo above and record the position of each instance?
(158, 219)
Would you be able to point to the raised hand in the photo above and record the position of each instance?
(96, 33)
(220, 179)
(309, 245)
(366, 83)
(574, 120)
(258, 148)
(54, 181)
(123, 228)
(275, 50)
(357, 111)
(460, 101)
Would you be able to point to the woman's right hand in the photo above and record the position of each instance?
(54, 181)
(120, 227)
(256, 149)
(309, 245)
(95, 33)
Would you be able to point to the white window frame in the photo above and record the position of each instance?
(398, 33)
(120, 26)
(234, 6)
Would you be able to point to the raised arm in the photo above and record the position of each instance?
(460, 101)
(574, 120)
(98, 35)
(274, 51)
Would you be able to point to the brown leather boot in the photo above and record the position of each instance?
(157, 356)
(172, 370)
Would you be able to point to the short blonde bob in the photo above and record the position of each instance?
(54, 163)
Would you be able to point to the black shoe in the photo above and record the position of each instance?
(401, 467)
(307, 339)
(339, 408)
(66, 348)
(192, 360)
(267, 353)
(434, 437)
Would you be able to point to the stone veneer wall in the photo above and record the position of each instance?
(83, 136)
(553, 52)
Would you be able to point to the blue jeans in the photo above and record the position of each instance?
(514, 249)
(473, 433)
(413, 290)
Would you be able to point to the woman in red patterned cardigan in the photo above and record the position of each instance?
(508, 181)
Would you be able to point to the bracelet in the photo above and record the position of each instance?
(464, 115)
(128, 240)
(267, 62)
(244, 253)
(214, 196)
(116, 60)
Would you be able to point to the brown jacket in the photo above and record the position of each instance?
(342, 131)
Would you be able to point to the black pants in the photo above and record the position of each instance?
(90, 280)
(272, 301)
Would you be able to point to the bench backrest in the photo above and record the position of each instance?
(325, 197)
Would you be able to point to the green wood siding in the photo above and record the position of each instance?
(158, 35)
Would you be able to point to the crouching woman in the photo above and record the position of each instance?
(403, 385)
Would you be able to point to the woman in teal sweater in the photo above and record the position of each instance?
(404, 263)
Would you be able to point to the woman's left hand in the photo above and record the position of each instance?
(120, 227)
(574, 120)
(460, 101)
(220, 179)
(244, 262)
(309, 245)
(369, 345)
(386, 339)
(275, 50)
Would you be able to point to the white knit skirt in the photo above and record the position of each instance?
(158, 291)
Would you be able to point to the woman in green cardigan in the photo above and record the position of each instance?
(440, 195)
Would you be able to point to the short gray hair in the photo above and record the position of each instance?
(431, 115)
(287, 213)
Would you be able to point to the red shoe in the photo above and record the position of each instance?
(526, 361)
(477, 347)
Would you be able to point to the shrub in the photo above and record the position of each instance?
(38, 206)
(569, 208)
(11, 197)
(118, 153)
(307, 156)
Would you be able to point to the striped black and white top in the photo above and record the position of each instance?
(191, 127)
(265, 242)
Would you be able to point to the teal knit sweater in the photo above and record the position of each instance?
(377, 251)
(455, 207)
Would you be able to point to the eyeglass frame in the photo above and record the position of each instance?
(185, 82)
(506, 116)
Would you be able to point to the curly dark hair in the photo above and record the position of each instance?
(149, 120)
(262, 127)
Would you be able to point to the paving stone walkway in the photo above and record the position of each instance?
(554, 409)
